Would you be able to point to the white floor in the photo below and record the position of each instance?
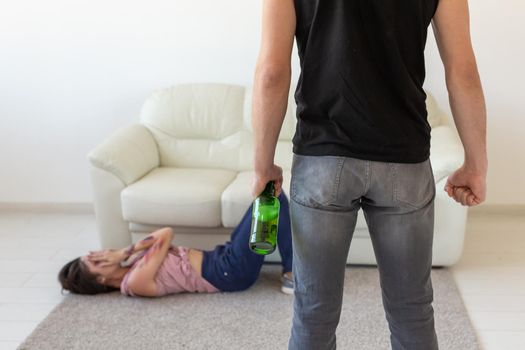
(35, 245)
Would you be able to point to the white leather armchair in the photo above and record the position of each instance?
(187, 164)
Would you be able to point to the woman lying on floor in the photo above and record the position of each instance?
(156, 267)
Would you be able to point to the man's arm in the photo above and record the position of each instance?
(451, 29)
(271, 89)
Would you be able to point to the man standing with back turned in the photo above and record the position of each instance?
(363, 141)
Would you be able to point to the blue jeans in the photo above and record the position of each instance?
(232, 266)
(398, 204)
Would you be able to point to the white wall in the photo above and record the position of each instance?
(71, 72)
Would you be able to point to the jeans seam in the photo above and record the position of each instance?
(394, 183)
(337, 181)
(367, 176)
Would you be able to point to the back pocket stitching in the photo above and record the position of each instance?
(330, 200)
(421, 203)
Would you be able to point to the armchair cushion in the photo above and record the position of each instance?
(177, 197)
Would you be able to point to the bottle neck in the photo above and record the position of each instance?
(269, 190)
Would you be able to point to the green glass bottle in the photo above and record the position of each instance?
(265, 219)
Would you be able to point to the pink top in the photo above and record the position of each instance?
(175, 275)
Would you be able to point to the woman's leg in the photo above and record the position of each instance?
(247, 263)
(284, 235)
(241, 235)
(233, 266)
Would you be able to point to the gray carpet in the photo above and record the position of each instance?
(258, 318)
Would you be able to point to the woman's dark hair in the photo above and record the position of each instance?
(76, 278)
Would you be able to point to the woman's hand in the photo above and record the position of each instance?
(108, 257)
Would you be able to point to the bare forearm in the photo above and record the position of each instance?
(144, 243)
(270, 101)
(468, 108)
(154, 249)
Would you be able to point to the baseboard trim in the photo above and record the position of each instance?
(498, 209)
(50, 208)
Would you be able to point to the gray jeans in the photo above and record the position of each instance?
(398, 203)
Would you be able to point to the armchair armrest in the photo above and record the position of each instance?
(446, 151)
(130, 153)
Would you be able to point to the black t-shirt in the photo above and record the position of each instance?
(360, 93)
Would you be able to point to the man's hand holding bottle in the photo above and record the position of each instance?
(263, 176)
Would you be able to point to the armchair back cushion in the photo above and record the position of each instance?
(209, 126)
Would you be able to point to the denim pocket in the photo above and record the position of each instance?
(315, 180)
(414, 184)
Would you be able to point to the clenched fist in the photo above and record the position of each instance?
(467, 186)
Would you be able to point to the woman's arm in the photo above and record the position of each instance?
(141, 280)
(116, 256)
(144, 243)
